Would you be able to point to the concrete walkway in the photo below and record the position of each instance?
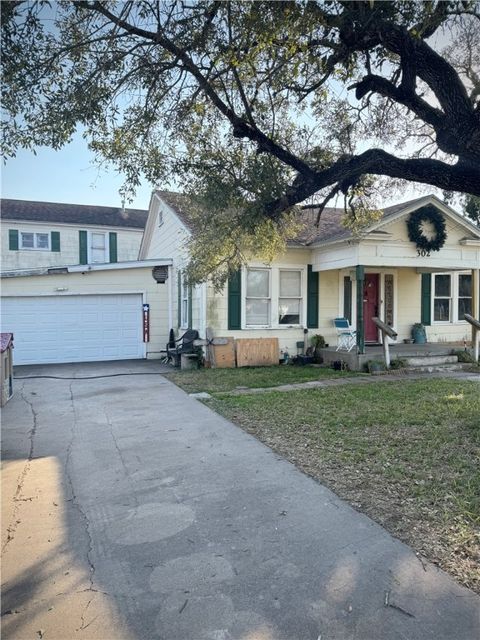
(132, 511)
(391, 376)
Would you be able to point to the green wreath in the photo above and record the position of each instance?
(428, 214)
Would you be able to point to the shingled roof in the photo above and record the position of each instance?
(78, 214)
(330, 227)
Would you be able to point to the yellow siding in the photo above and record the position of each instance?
(217, 310)
(98, 282)
(409, 284)
(329, 305)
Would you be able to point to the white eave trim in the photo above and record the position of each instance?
(86, 268)
(470, 242)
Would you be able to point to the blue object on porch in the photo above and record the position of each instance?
(347, 337)
(419, 334)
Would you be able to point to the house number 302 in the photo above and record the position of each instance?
(423, 253)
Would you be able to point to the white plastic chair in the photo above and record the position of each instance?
(346, 336)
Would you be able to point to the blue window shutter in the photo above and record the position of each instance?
(112, 243)
(55, 241)
(426, 294)
(13, 239)
(82, 247)
(235, 300)
(312, 298)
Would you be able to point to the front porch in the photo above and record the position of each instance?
(356, 361)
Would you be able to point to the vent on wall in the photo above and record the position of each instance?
(160, 274)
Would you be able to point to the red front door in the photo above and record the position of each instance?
(370, 306)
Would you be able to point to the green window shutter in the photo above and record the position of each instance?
(235, 300)
(426, 298)
(82, 244)
(112, 243)
(312, 298)
(55, 241)
(189, 319)
(179, 308)
(13, 239)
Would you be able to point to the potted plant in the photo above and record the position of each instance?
(419, 334)
(318, 342)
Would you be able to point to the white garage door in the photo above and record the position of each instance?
(77, 328)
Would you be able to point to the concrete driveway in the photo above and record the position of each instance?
(132, 511)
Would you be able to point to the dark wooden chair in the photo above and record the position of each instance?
(184, 344)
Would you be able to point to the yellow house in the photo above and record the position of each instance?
(418, 264)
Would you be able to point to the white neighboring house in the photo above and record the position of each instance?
(73, 289)
(41, 234)
(328, 272)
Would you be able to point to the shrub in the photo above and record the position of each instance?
(398, 363)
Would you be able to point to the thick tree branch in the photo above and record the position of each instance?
(411, 100)
(348, 170)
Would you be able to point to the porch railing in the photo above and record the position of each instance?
(475, 333)
(387, 331)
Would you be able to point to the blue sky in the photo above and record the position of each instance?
(68, 175)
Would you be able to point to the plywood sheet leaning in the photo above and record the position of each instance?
(224, 354)
(257, 352)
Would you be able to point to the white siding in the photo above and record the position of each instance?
(170, 240)
(128, 244)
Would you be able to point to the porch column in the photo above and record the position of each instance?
(360, 274)
(475, 308)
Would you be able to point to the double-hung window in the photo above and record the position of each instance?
(442, 301)
(258, 299)
(452, 296)
(290, 296)
(31, 240)
(98, 247)
(274, 297)
(464, 303)
(185, 294)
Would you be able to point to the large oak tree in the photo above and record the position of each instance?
(254, 106)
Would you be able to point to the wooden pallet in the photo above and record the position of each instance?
(256, 352)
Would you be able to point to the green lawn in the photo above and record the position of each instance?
(407, 453)
(214, 380)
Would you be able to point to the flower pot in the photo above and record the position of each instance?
(419, 335)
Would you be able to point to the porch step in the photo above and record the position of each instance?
(439, 368)
(430, 361)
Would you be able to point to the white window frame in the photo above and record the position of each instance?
(453, 298)
(299, 298)
(274, 295)
(269, 297)
(90, 246)
(160, 217)
(35, 235)
(185, 293)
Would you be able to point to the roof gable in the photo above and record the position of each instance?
(76, 214)
(332, 230)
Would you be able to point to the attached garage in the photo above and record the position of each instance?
(87, 316)
(76, 328)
